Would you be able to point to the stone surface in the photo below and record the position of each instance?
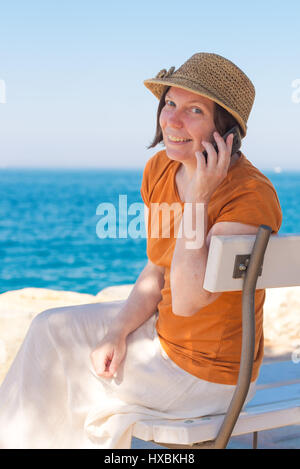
(281, 330)
(282, 321)
(19, 307)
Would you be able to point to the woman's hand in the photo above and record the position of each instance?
(109, 354)
(208, 176)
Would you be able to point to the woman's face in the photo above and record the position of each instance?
(186, 115)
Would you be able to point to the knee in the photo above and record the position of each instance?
(51, 316)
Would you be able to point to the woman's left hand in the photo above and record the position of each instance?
(208, 176)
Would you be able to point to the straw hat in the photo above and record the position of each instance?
(214, 77)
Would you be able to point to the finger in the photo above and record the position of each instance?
(212, 156)
(100, 367)
(220, 142)
(224, 148)
(229, 142)
(118, 357)
(201, 161)
(101, 364)
(114, 364)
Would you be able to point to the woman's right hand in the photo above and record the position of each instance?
(139, 307)
(109, 354)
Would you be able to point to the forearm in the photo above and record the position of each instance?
(142, 301)
(189, 265)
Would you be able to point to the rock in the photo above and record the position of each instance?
(118, 292)
(34, 300)
(282, 320)
(19, 307)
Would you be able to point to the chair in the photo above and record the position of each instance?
(241, 262)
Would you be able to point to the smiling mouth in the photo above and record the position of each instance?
(178, 139)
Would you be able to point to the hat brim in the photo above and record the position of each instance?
(157, 87)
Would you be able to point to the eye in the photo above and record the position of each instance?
(197, 109)
(169, 101)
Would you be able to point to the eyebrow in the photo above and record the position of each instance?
(190, 102)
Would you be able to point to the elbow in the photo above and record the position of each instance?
(183, 312)
(185, 309)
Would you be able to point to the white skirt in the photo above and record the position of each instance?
(52, 398)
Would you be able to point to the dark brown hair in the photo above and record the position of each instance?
(222, 119)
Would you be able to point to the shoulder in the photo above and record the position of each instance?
(155, 171)
(247, 197)
(156, 168)
(252, 175)
(158, 163)
(246, 178)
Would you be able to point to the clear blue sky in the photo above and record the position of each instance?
(74, 74)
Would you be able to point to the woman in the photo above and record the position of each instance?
(86, 373)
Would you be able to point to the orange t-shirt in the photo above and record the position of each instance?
(208, 344)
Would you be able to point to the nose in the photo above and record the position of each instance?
(174, 120)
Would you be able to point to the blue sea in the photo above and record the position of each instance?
(49, 227)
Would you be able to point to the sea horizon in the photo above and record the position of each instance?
(48, 225)
(274, 169)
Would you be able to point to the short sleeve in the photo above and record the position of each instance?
(255, 205)
(145, 186)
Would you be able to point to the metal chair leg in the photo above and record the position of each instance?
(248, 337)
(255, 439)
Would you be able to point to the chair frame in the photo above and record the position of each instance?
(250, 271)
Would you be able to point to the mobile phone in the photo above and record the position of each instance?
(236, 144)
